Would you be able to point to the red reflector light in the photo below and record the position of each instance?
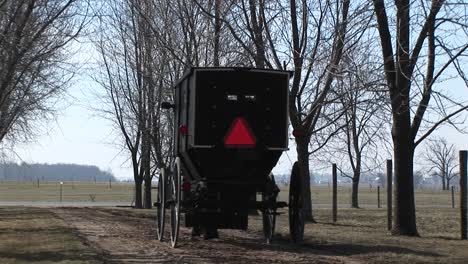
(183, 129)
(240, 135)
(186, 186)
(297, 133)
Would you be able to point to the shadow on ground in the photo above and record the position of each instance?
(332, 249)
(70, 255)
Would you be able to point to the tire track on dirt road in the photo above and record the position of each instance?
(129, 236)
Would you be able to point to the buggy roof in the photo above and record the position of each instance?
(189, 71)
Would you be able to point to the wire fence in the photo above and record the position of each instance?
(123, 192)
(120, 192)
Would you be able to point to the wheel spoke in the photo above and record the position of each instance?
(175, 204)
(161, 210)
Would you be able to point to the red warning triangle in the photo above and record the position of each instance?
(239, 135)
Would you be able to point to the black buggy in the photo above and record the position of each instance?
(230, 129)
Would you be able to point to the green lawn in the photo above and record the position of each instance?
(37, 235)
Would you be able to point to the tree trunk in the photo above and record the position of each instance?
(443, 183)
(257, 31)
(138, 201)
(303, 159)
(147, 195)
(145, 168)
(355, 190)
(217, 33)
(404, 217)
(138, 181)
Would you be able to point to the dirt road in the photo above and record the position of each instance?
(129, 236)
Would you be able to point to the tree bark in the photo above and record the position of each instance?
(303, 159)
(138, 201)
(145, 166)
(404, 217)
(257, 34)
(138, 181)
(217, 33)
(355, 190)
(147, 195)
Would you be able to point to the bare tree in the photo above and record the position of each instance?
(145, 44)
(121, 76)
(34, 72)
(442, 160)
(143, 55)
(317, 50)
(190, 38)
(358, 147)
(439, 43)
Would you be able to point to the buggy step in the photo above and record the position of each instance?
(168, 203)
(275, 213)
(281, 204)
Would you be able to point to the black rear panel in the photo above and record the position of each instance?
(259, 97)
(208, 101)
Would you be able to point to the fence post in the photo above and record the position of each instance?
(37, 182)
(378, 196)
(463, 193)
(61, 184)
(334, 206)
(389, 193)
(110, 183)
(453, 197)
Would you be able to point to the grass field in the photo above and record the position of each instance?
(71, 192)
(362, 233)
(37, 235)
(123, 193)
(368, 196)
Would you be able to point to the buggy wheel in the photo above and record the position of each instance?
(161, 210)
(175, 187)
(296, 215)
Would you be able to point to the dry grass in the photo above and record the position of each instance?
(123, 192)
(359, 236)
(362, 235)
(37, 235)
(71, 192)
(322, 196)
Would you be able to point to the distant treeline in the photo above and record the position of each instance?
(53, 172)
